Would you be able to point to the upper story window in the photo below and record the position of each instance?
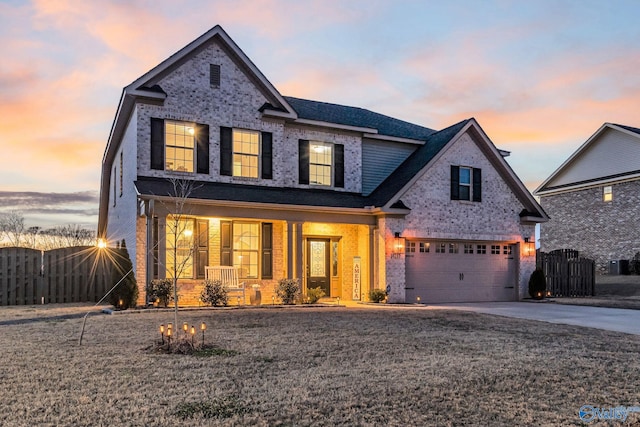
(466, 183)
(179, 146)
(607, 193)
(321, 163)
(246, 150)
(245, 153)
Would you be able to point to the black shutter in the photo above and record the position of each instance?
(202, 259)
(455, 182)
(202, 142)
(225, 243)
(303, 169)
(267, 250)
(226, 150)
(338, 167)
(157, 144)
(477, 185)
(267, 170)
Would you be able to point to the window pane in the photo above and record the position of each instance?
(465, 176)
(465, 193)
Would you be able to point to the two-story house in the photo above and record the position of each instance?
(339, 197)
(593, 198)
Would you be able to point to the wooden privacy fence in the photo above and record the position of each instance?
(567, 274)
(29, 276)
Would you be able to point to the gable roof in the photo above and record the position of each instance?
(358, 117)
(612, 153)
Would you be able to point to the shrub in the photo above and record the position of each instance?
(288, 290)
(214, 293)
(377, 295)
(160, 290)
(125, 295)
(537, 284)
(314, 294)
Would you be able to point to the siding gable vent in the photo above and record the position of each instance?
(214, 75)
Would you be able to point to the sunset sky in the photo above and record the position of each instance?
(539, 76)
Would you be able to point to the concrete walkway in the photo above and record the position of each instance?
(609, 319)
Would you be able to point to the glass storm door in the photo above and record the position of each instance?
(318, 272)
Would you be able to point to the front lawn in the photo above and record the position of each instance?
(315, 366)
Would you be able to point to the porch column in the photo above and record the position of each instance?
(149, 212)
(289, 250)
(373, 282)
(298, 264)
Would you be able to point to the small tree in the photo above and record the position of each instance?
(537, 284)
(288, 290)
(125, 295)
(214, 293)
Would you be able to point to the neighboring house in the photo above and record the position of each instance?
(340, 197)
(593, 198)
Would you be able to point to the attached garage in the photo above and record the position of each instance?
(455, 271)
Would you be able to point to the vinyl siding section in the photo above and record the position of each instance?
(379, 159)
(613, 153)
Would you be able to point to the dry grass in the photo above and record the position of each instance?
(315, 366)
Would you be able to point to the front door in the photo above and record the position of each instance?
(318, 265)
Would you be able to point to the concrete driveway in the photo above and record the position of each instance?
(609, 319)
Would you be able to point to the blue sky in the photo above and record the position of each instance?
(540, 77)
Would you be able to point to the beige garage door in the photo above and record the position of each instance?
(446, 271)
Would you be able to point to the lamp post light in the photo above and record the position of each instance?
(418, 300)
(203, 327)
(185, 328)
(169, 332)
(162, 333)
(193, 333)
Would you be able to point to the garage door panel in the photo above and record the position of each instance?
(460, 277)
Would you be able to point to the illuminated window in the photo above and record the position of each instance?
(180, 247)
(246, 152)
(320, 160)
(607, 193)
(441, 248)
(424, 247)
(179, 146)
(246, 247)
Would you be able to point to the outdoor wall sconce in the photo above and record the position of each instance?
(398, 245)
(529, 247)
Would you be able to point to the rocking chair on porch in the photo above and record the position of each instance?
(229, 278)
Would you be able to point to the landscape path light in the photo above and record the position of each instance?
(169, 332)
(185, 328)
(203, 327)
(193, 333)
(162, 333)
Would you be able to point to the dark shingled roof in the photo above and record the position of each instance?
(311, 196)
(254, 193)
(629, 128)
(414, 164)
(354, 116)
